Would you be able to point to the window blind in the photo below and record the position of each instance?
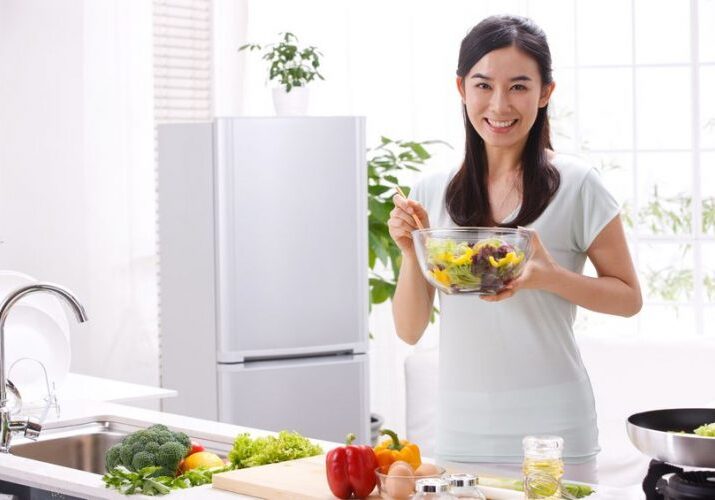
(182, 61)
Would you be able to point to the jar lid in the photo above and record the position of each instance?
(462, 480)
(432, 485)
(543, 443)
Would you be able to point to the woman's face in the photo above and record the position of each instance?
(502, 94)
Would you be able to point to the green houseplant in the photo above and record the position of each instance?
(293, 68)
(384, 164)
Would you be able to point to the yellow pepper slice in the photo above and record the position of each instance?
(446, 257)
(441, 276)
(465, 258)
(509, 258)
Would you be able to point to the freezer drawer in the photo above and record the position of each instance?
(322, 397)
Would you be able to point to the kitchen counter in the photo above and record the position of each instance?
(85, 484)
(88, 485)
(78, 386)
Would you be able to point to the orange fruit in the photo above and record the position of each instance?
(202, 459)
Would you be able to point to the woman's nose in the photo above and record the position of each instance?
(500, 101)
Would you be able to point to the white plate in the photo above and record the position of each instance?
(46, 302)
(32, 333)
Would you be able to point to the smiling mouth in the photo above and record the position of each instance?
(500, 124)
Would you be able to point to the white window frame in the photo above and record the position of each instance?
(636, 236)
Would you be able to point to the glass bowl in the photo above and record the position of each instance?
(472, 260)
(401, 487)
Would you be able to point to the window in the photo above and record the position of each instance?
(631, 95)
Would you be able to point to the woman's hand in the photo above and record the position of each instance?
(401, 222)
(538, 273)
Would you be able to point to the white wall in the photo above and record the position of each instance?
(77, 172)
(229, 23)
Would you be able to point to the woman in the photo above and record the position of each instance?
(509, 365)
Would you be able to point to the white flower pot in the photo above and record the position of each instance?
(293, 103)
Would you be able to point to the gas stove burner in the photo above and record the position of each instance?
(668, 482)
(688, 486)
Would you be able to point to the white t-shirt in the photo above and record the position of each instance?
(512, 368)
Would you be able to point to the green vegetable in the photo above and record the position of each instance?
(197, 477)
(578, 490)
(508, 483)
(706, 430)
(129, 482)
(145, 482)
(248, 452)
(156, 447)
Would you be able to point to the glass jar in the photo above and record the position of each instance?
(543, 466)
(433, 488)
(464, 486)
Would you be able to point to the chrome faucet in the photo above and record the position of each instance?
(31, 427)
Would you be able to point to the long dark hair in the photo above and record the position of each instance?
(467, 196)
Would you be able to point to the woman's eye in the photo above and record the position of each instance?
(518, 86)
(482, 85)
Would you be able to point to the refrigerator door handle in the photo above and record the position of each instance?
(231, 357)
(288, 357)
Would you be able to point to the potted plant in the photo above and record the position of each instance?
(384, 164)
(293, 68)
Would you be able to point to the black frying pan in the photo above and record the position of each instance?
(656, 433)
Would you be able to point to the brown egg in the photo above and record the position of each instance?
(426, 469)
(400, 481)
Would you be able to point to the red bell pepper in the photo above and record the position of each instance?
(351, 470)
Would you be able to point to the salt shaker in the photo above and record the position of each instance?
(433, 488)
(464, 486)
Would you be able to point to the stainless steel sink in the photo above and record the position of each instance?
(83, 446)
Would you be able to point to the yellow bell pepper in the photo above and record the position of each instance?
(441, 276)
(393, 449)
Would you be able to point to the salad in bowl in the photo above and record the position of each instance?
(473, 260)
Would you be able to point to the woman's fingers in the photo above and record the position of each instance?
(400, 228)
(403, 203)
(398, 213)
(404, 219)
(412, 208)
(504, 294)
(421, 213)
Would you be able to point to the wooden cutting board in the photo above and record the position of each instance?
(302, 479)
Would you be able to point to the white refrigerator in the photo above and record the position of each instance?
(263, 285)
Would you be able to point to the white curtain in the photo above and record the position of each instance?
(77, 170)
(119, 191)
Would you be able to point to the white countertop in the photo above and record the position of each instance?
(86, 387)
(88, 485)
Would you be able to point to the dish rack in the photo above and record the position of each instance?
(38, 408)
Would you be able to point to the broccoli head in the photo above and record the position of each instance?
(155, 446)
(143, 459)
(170, 454)
(113, 457)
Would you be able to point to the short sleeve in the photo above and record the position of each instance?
(596, 208)
(417, 192)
